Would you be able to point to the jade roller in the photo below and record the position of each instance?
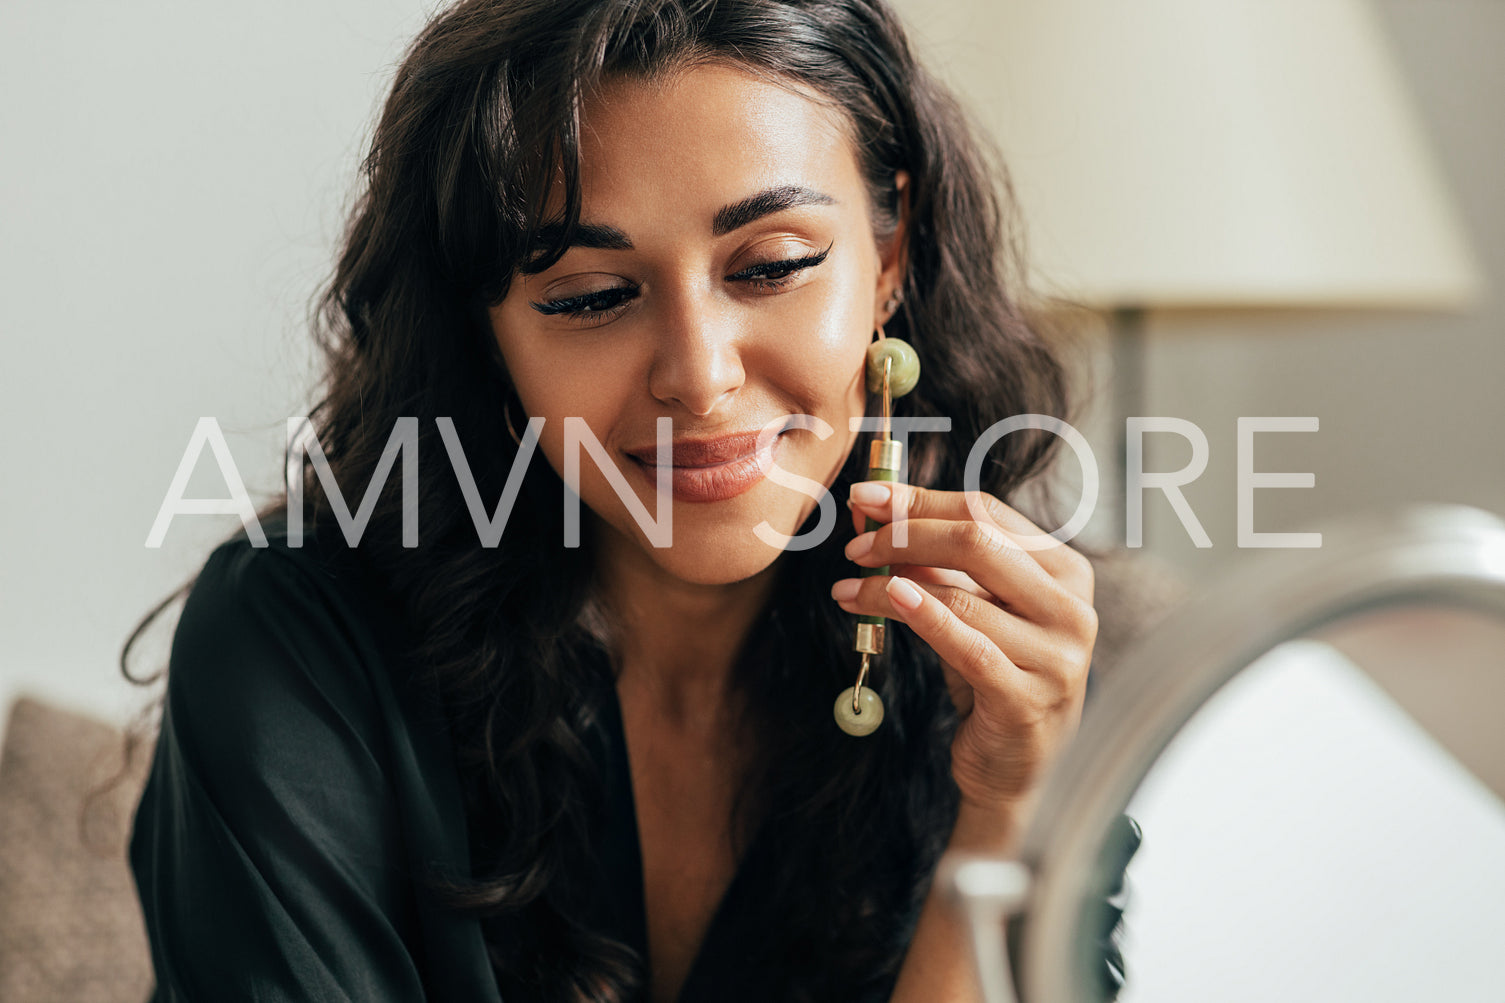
(892, 369)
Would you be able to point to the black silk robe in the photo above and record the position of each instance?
(299, 788)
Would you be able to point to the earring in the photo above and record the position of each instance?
(507, 417)
(893, 369)
(891, 305)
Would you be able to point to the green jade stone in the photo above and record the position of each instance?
(905, 371)
(866, 721)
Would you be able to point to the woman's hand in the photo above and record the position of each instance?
(1014, 627)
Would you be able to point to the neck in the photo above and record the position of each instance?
(676, 642)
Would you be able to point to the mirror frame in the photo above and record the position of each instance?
(1451, 555)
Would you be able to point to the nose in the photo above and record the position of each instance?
(697, 362)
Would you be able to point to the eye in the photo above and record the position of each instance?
(602, 305)
(771, 276)
(589, 308)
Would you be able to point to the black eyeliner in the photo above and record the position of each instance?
(791, 265)
(574, 302)
(573, 306)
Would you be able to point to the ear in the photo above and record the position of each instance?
(893, 258)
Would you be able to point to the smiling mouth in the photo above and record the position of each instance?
(710, 470)
(702, 452)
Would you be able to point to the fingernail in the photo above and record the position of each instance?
(904, 595)
(860, 546)
(871, 493)
(846, 589)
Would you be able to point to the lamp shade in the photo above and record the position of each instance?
(1214, 153)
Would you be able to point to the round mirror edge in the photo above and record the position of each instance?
(1454, 554)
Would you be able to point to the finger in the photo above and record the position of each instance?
(986, 555)
(941, 576)
(859, 518)
(980, 627)
(969, 650)
(888, 502)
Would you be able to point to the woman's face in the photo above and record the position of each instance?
(726, 276)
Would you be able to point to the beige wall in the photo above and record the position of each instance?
(1409, 404)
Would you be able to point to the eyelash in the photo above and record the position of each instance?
(589, 308)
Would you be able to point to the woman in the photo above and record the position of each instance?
(518, 769)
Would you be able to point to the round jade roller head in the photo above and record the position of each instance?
(867, 717)
(906, 367)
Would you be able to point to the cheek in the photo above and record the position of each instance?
(829, 357)
(828, 313)
(560, 393)
(549, 388)
(822, 374)
(553, 376)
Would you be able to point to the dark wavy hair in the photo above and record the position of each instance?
(484, 110)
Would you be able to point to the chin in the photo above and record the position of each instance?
(716, 544)
(715, 558)
(698, 571)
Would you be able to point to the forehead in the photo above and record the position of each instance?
(702, 136)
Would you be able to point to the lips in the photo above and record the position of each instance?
(707, 470)
(703, 452)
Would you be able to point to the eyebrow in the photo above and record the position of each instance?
(602, 236)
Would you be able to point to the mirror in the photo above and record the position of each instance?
(1314, 756)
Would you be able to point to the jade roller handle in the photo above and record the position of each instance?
(877, 474)
(883, 465)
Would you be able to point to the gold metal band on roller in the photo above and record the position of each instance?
(869, 638)
(885, 454)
